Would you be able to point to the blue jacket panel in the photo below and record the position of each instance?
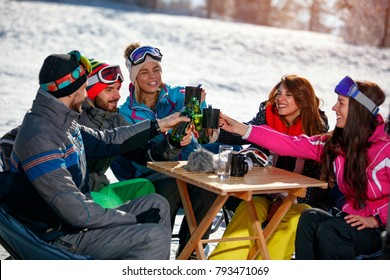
(170, 100)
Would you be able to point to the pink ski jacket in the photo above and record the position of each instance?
(378, 170)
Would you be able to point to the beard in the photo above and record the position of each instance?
(76, 106)
(110, 106)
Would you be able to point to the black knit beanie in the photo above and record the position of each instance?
(57, 66)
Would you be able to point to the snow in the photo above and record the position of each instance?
(236, 63)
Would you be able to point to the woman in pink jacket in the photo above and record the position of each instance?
(356, 156)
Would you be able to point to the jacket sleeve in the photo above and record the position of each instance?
(300, 146)
(124, 139)
(231, 138)
(6, 144)
(235, 139)
(47, 171)
(162, 150)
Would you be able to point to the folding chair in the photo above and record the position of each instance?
(23, 244)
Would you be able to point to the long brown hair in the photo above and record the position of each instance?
(352, 140)
(307, 101)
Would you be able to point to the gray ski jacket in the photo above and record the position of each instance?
(51, 194)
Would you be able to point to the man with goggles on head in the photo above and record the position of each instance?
(100, 111)
(48, 182)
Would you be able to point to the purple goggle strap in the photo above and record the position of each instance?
(347, 87)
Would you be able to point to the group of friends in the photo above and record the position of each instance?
(75, 131)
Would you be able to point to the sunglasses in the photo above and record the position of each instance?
(107, 75)
(139, 54)
(348, 88)
(83, 69)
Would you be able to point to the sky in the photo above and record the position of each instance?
(236, 63)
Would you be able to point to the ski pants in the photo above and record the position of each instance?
(323, 236)
(126, 242)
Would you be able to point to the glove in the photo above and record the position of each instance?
(149, 216)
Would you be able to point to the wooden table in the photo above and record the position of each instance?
(260, 180)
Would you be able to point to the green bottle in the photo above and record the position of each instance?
(179, 131)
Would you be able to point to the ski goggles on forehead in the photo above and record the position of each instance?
(83, 60)
(107, 75)
(139, 54)
(348, 88)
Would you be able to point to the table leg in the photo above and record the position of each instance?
(197, 231)
(260, 244)
(274, 222)
(189, 213)
(282, 210)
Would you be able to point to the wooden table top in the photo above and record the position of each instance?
(258, 180)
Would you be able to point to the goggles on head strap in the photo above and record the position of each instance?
(139, 54)
(83, 60)
(84, 68)
(107, 75)
(348, 88)
(257, 157)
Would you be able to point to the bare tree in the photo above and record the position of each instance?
(216, 7)
(385, 42)
(253, 11)
(287, 14)
(317, 11)
(365, 22)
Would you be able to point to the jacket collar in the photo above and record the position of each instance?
(380, 131)
(53, 110)
(95, 114)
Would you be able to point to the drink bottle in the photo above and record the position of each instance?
(192, 111)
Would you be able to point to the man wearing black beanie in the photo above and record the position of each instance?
(50, 153)
(72, 72)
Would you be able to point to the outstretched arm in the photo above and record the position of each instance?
(169, 122)
(232, 125)
(300, 146)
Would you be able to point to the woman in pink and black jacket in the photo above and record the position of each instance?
(356, 156)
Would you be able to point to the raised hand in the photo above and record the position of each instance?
(232, 125)
(169, 122)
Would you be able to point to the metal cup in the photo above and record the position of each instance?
(192, 92)
(210, 117)
(239, 165)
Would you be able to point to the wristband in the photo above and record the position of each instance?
(379, 221)
(154, 128)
